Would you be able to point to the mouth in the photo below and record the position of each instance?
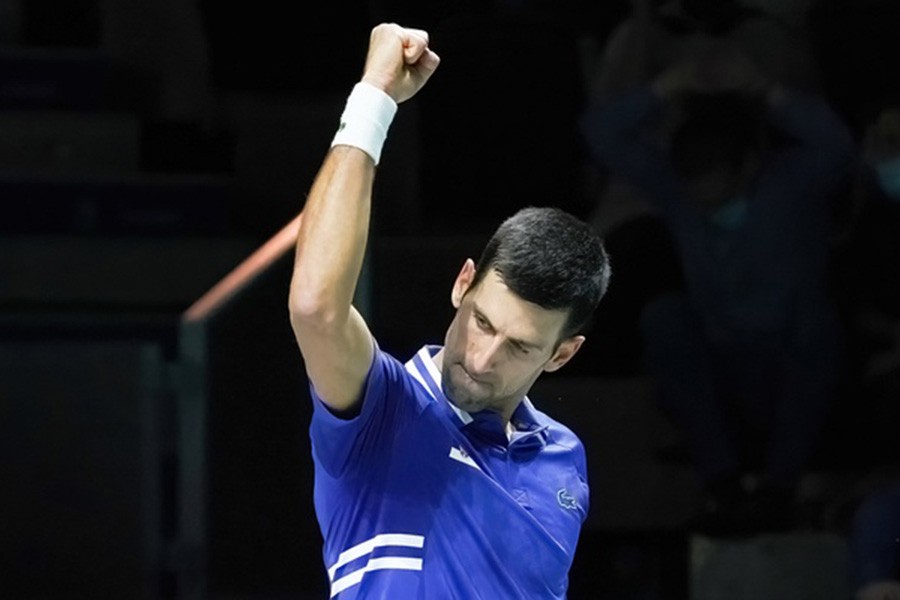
(467, 391)
(468, 375)
(469, 385)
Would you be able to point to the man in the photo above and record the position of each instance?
(439, 478)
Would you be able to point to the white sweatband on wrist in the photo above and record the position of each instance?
(367, 116)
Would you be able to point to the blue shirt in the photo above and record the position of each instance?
(417, 499)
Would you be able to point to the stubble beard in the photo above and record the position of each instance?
(462, 397)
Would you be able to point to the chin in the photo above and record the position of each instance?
(462, 400)
(470, 405)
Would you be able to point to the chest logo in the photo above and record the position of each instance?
(566, 500)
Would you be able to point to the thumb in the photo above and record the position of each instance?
(415, 44)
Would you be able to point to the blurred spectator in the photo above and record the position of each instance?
(656, 35)
(747, 358)
(659, 34)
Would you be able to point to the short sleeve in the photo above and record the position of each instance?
(388, 404)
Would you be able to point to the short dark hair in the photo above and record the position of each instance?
(551, 258)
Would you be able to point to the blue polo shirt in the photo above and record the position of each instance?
(417, 499)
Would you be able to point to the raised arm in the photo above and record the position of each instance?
(334, 340)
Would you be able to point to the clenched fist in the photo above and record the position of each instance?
(399, 61)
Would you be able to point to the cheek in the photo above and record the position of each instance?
(516, 371)
(456, 336)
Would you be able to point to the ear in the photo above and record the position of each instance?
(463, 282)
(564, 353)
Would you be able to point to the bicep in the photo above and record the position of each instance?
(337, 360)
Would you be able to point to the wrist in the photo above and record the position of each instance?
(381, 83)
(367, 116)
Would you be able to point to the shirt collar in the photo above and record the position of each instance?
(528, 435)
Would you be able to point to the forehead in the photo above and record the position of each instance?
(514, 316)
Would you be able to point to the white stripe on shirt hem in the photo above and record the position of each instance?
(366, 547)
(375, 564)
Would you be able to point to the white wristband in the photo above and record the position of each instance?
(365, 121)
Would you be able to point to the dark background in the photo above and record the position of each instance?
(147, 149)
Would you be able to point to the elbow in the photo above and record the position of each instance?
(311, 312)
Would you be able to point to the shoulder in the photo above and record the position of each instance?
(391, 379)
(391, 400)
(389, 391)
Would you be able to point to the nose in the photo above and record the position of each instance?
(484, 355)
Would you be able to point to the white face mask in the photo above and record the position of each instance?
(888, 172)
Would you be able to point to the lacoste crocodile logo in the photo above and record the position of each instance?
(566, 500)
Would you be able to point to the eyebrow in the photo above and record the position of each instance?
(532, 345)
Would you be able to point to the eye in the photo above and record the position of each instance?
(482, 322)
(520, 349)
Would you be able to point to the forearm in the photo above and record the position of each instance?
(334, 339)
(332, 239)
